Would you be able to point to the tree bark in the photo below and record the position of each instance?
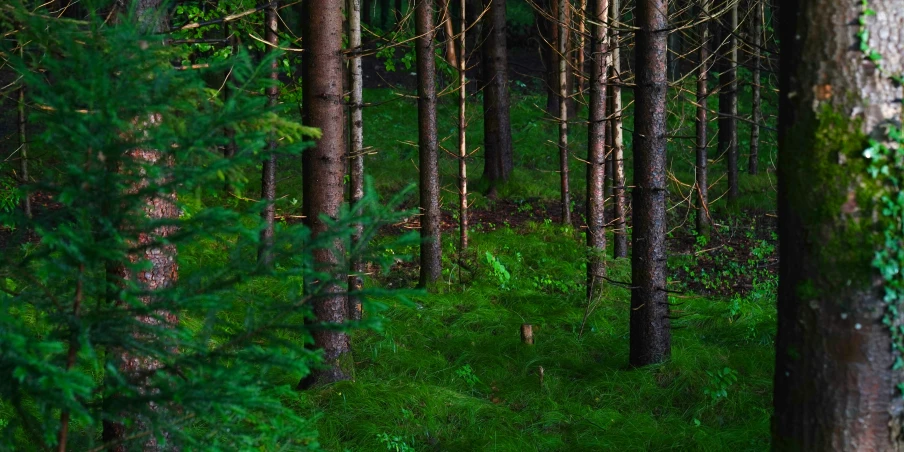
(728, 103)
(596, 152)
(620, 233)
(462, 139)
(563, 111)
(497, 130)
(446, 17)
(356, 155)
(702, 157)
(650, 330)
(550, 26)
(324, 169)
(835, 375)
(384, 13)
(431, 245)
(268, 171)
(753, 163)
(23, 141)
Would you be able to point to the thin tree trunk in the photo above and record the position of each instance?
(324, 169)
(702, 160)
(620, 233)
(356, 154)
(650, 331)
(268, 172)
(497, 132)
(563, 113)
(451, 54)
(230, 148)
(752, 166)
(596, 153)
(23, 142)
(398, 11)
(431, 245)
(462, 139)
(728, 104)
(839, 317)
(366, 12)
(582, 30)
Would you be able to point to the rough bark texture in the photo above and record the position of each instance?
(462, 138)
(728, 102)
(268, 171)
(619, 230)
(650, 332)
(702, 157)
(834, 383)
(431, 246)
(356, 153)
(497, 129)
(562, 44)
(753, 163)
(596, 152)
(324, 168)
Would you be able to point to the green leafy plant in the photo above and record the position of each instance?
(498, 270)
(719, 382)
(394, 443)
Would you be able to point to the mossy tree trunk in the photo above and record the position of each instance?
(835, 386)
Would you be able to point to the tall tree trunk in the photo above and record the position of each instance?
(497, 130)
(581, 44)
(23, 141)
(366, 10)
(356, 152)
(752, 166)
(728, 102)
(836, 376)
(398, 11)
(446, 17)
(563, 111)
(702, 159)
(620, 233)
(324, 169)
(229, 132)
(462, 139)
(596, 152)
(650, 330)
(551, 25)
(268, 173)
(431, 245)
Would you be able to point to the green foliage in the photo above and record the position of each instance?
(221, 376)
(10, 196)
(719, 382)
(394, 443)
(498, 270)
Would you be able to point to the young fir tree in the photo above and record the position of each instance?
(221, 373)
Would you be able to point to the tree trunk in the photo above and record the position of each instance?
(650, 330)
(581, 44)
(728, 103)
(753, 164)
(324, 169)
(563, 111)
(620, 233)
(431, 245)
(497, 130)
(356, 154)
(268, 173)
(23, 142)
(398, 11)
(462, 140)
(384, 13)
(550, 27)
(446, 17)
(366, 11)
(702, 160)
(836, 376)
(596, 153)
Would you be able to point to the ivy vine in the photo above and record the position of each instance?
(886, 167)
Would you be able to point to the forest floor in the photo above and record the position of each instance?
(448, 370)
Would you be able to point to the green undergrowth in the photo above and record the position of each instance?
(450, 373)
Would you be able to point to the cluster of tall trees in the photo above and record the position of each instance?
(836, 379)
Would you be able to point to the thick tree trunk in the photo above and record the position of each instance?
(596, 152)
(563, 112)
(356, 153)
(835, 375)
(650, 331)
(324, 169)
(620, 233)
(753, 164)
(431, 245)
(728, 102)
(497, 130)
(268, 173)
(702, 158)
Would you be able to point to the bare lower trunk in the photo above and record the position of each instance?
(620, 233)
(268, 172)
(753, 164)
(837, 384)
(581, 44)
(324, 169)
(701, 186)
(462, 140)
(431, 250)
(356, 155)
(596, 153)
(728, 104)
(650, 331)
(498, 160)
(563, 113)
(23, 145)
